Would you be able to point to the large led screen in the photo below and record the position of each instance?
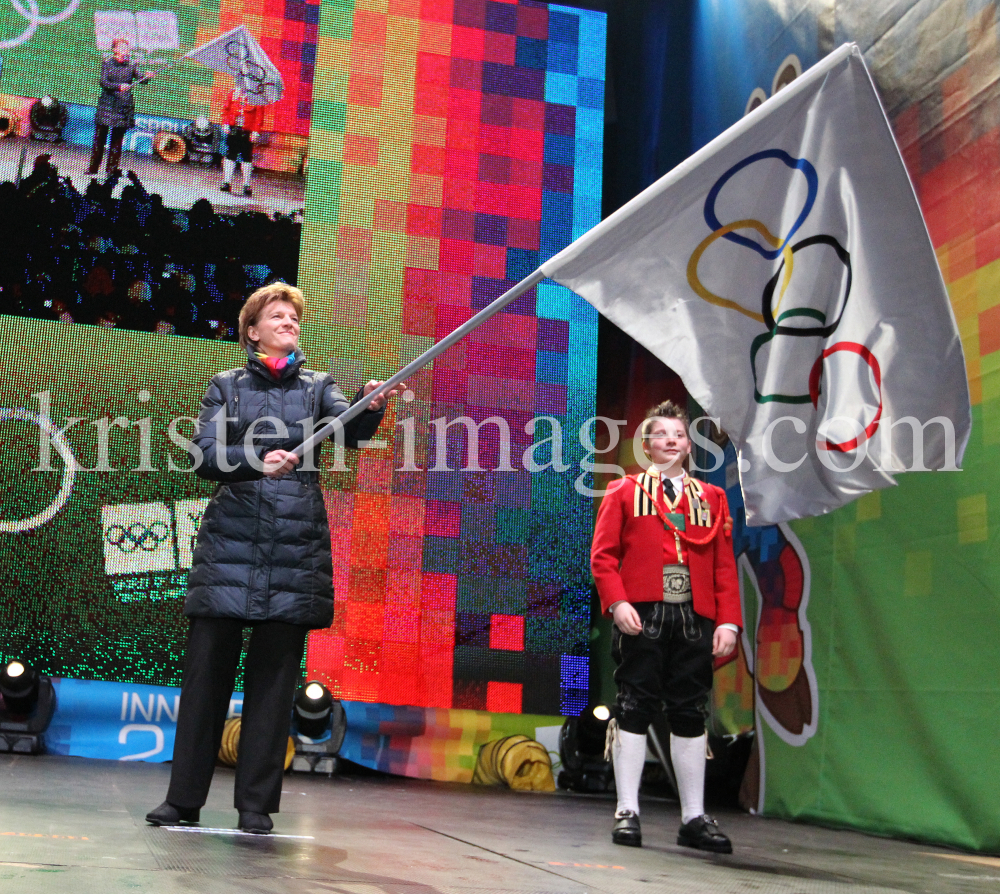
(422, 158)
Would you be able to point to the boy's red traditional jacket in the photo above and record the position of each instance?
(627, 554)
(239, 113)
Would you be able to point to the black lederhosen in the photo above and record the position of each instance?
(668, 664)
(238, 145)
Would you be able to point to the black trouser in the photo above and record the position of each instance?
(114, 150)
(669, 663)
(239, 146)
(272, 672)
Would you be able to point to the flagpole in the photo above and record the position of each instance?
(167, 67)
(530, 281)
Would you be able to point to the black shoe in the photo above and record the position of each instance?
(627, 830)
(168, 814)
(703, 833)
(247, 191)
(258, 823)
(225, 188)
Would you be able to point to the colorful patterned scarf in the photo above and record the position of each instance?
(275, 364)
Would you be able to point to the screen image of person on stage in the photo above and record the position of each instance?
(242, 123)
(116, 107)
(435, 179)
(137, 234)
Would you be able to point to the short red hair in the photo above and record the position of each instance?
(253, 308)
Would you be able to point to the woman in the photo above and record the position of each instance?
(262, 558)
(116, 107)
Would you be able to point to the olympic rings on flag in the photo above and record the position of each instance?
(774, 327)
(58, 440)
(252, 75)
(723, 233)
(767, 296)
(771, 316)
(815, 377)
(812, 186)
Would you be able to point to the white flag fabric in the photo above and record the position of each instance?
(237, 53)
(785, 272)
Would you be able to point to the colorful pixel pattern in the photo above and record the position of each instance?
(462, 143)
(62, 58)
(427, 743)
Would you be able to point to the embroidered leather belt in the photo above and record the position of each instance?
(676, 583)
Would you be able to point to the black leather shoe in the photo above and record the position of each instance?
(225, 188)
(703, 833)
(258, 823)
(627, 830)
(247, 191)
(168, 814)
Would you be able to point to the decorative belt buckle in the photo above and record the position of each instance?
(676, 583)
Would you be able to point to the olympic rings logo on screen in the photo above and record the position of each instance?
(30, 12)
(252, 75)
(774, 318)
(137, 536)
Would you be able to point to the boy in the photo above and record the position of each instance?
(662, 559)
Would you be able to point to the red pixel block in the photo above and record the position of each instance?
(503, 698)
(369, 28)
(507, 632)
(443, 519)
(438, 592)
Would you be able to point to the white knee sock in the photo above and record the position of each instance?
(629, 754)
(246, 169)
(228, 167)
(688, 758)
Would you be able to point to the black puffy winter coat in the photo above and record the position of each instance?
(116, 108)
(263, 548)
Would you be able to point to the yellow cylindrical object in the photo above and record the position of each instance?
(230, 742)
(515, 761)
(230, 748)
(8, 123)
(170, 146)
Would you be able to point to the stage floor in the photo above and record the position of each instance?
(75, 826)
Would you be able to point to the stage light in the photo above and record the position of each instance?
(48, 117)
(318, 728)
(19, 688)
(27, 703)
(581, 750)
(313, 707)
(203, 140)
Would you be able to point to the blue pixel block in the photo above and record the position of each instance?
(560, 88)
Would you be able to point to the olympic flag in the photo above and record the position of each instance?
(237, 53)
(784, 271)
